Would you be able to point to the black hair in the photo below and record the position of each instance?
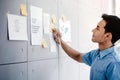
(112, 26)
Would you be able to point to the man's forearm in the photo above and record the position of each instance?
(71, 52)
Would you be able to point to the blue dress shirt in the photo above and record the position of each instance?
(105, 64)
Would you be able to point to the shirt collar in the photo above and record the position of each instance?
(106, 52)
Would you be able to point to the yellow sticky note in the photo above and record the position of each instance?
(54, 20)
(23, 10)
(52, 26)
(63, 18)
(44, 43)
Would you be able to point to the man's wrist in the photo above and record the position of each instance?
(61, 41)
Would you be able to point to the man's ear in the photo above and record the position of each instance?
(108, 35)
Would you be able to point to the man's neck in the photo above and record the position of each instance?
(105, 45)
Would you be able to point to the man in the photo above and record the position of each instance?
(104, 62)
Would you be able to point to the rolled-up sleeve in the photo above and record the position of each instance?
(87, 58)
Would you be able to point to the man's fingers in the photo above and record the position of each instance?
(57, 35)
(54, 30)
(57, 40)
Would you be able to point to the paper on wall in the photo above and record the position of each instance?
(65, 29)
(53, 47)
(46, 23)
(36, 25)
(17, 27)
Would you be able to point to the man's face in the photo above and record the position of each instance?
(99, 32)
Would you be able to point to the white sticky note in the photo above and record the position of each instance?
(46, 23)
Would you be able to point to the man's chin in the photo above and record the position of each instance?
(93, 41)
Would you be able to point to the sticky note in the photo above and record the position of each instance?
(52, 26)
(44, 43)
(54, 20)
(63, 18)
(23, 10)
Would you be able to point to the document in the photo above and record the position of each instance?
(53, 47)
(65, 29)
(36, 25)
(46, 23)
(17, 27)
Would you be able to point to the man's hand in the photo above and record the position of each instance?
(57, 35)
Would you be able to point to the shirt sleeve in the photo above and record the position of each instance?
(89, 57)
(113, 71)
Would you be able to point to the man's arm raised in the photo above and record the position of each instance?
(70, 51)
